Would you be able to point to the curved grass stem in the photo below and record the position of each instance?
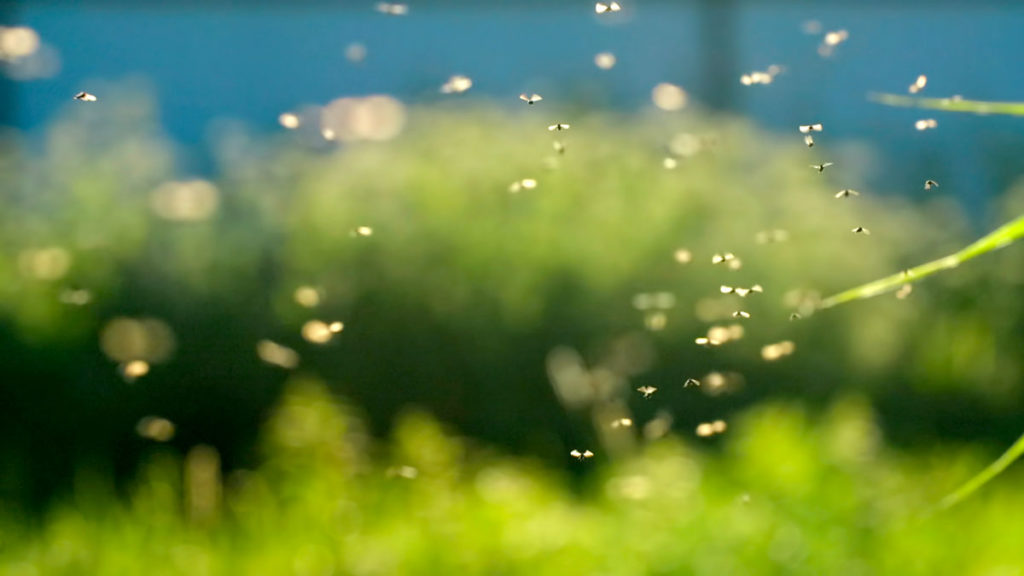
(998, 238)
(991, 471)
(1002, 236)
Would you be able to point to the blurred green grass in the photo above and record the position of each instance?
(787, 493)
(452, 306)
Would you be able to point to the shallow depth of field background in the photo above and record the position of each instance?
(276, 304)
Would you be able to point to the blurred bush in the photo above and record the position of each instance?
(789, 493)
(453, 292)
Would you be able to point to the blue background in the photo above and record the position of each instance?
(252, 61)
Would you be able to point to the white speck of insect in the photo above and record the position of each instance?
(809, 140)
(581, 456)
(773, 352)
(531, 99)
(929, 184)
(85, 97)
(847, 193)
(830, 41)
(558, 127)
(622, 423)
(743, 292)
(821, 167)
(558, 146)
(647, 391)
(794, 316)
(761, 77)
(741, 314)
(524, 184)
(363, 231)
(835, 37)
(602, 7)
(132, 371)
(457, 84)
(861, 230)
(726, 289)
(289, 120)
(926, 124)
(393, 9)
(807, 128)
(706, 342)
(904, 291)
(691, 382)
(706, 429)
(918, 84)
(669, 163)
(604, 60)
(719, 258)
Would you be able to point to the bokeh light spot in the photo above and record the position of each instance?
(668, 97)
(186, 201)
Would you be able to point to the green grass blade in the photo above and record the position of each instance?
(990, 472)
(950, 104)
(1002, 236)
(999, 238)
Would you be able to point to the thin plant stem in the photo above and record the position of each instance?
(950, 104)
(999, 238)
(991, 471)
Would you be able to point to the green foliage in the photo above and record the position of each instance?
(454, 302)
(999, 238)
(789, 494)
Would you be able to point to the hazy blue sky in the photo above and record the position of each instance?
(252, 63)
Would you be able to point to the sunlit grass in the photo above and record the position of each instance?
(991, 471)
(788, 493)
(999, 238)
(410, 271)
